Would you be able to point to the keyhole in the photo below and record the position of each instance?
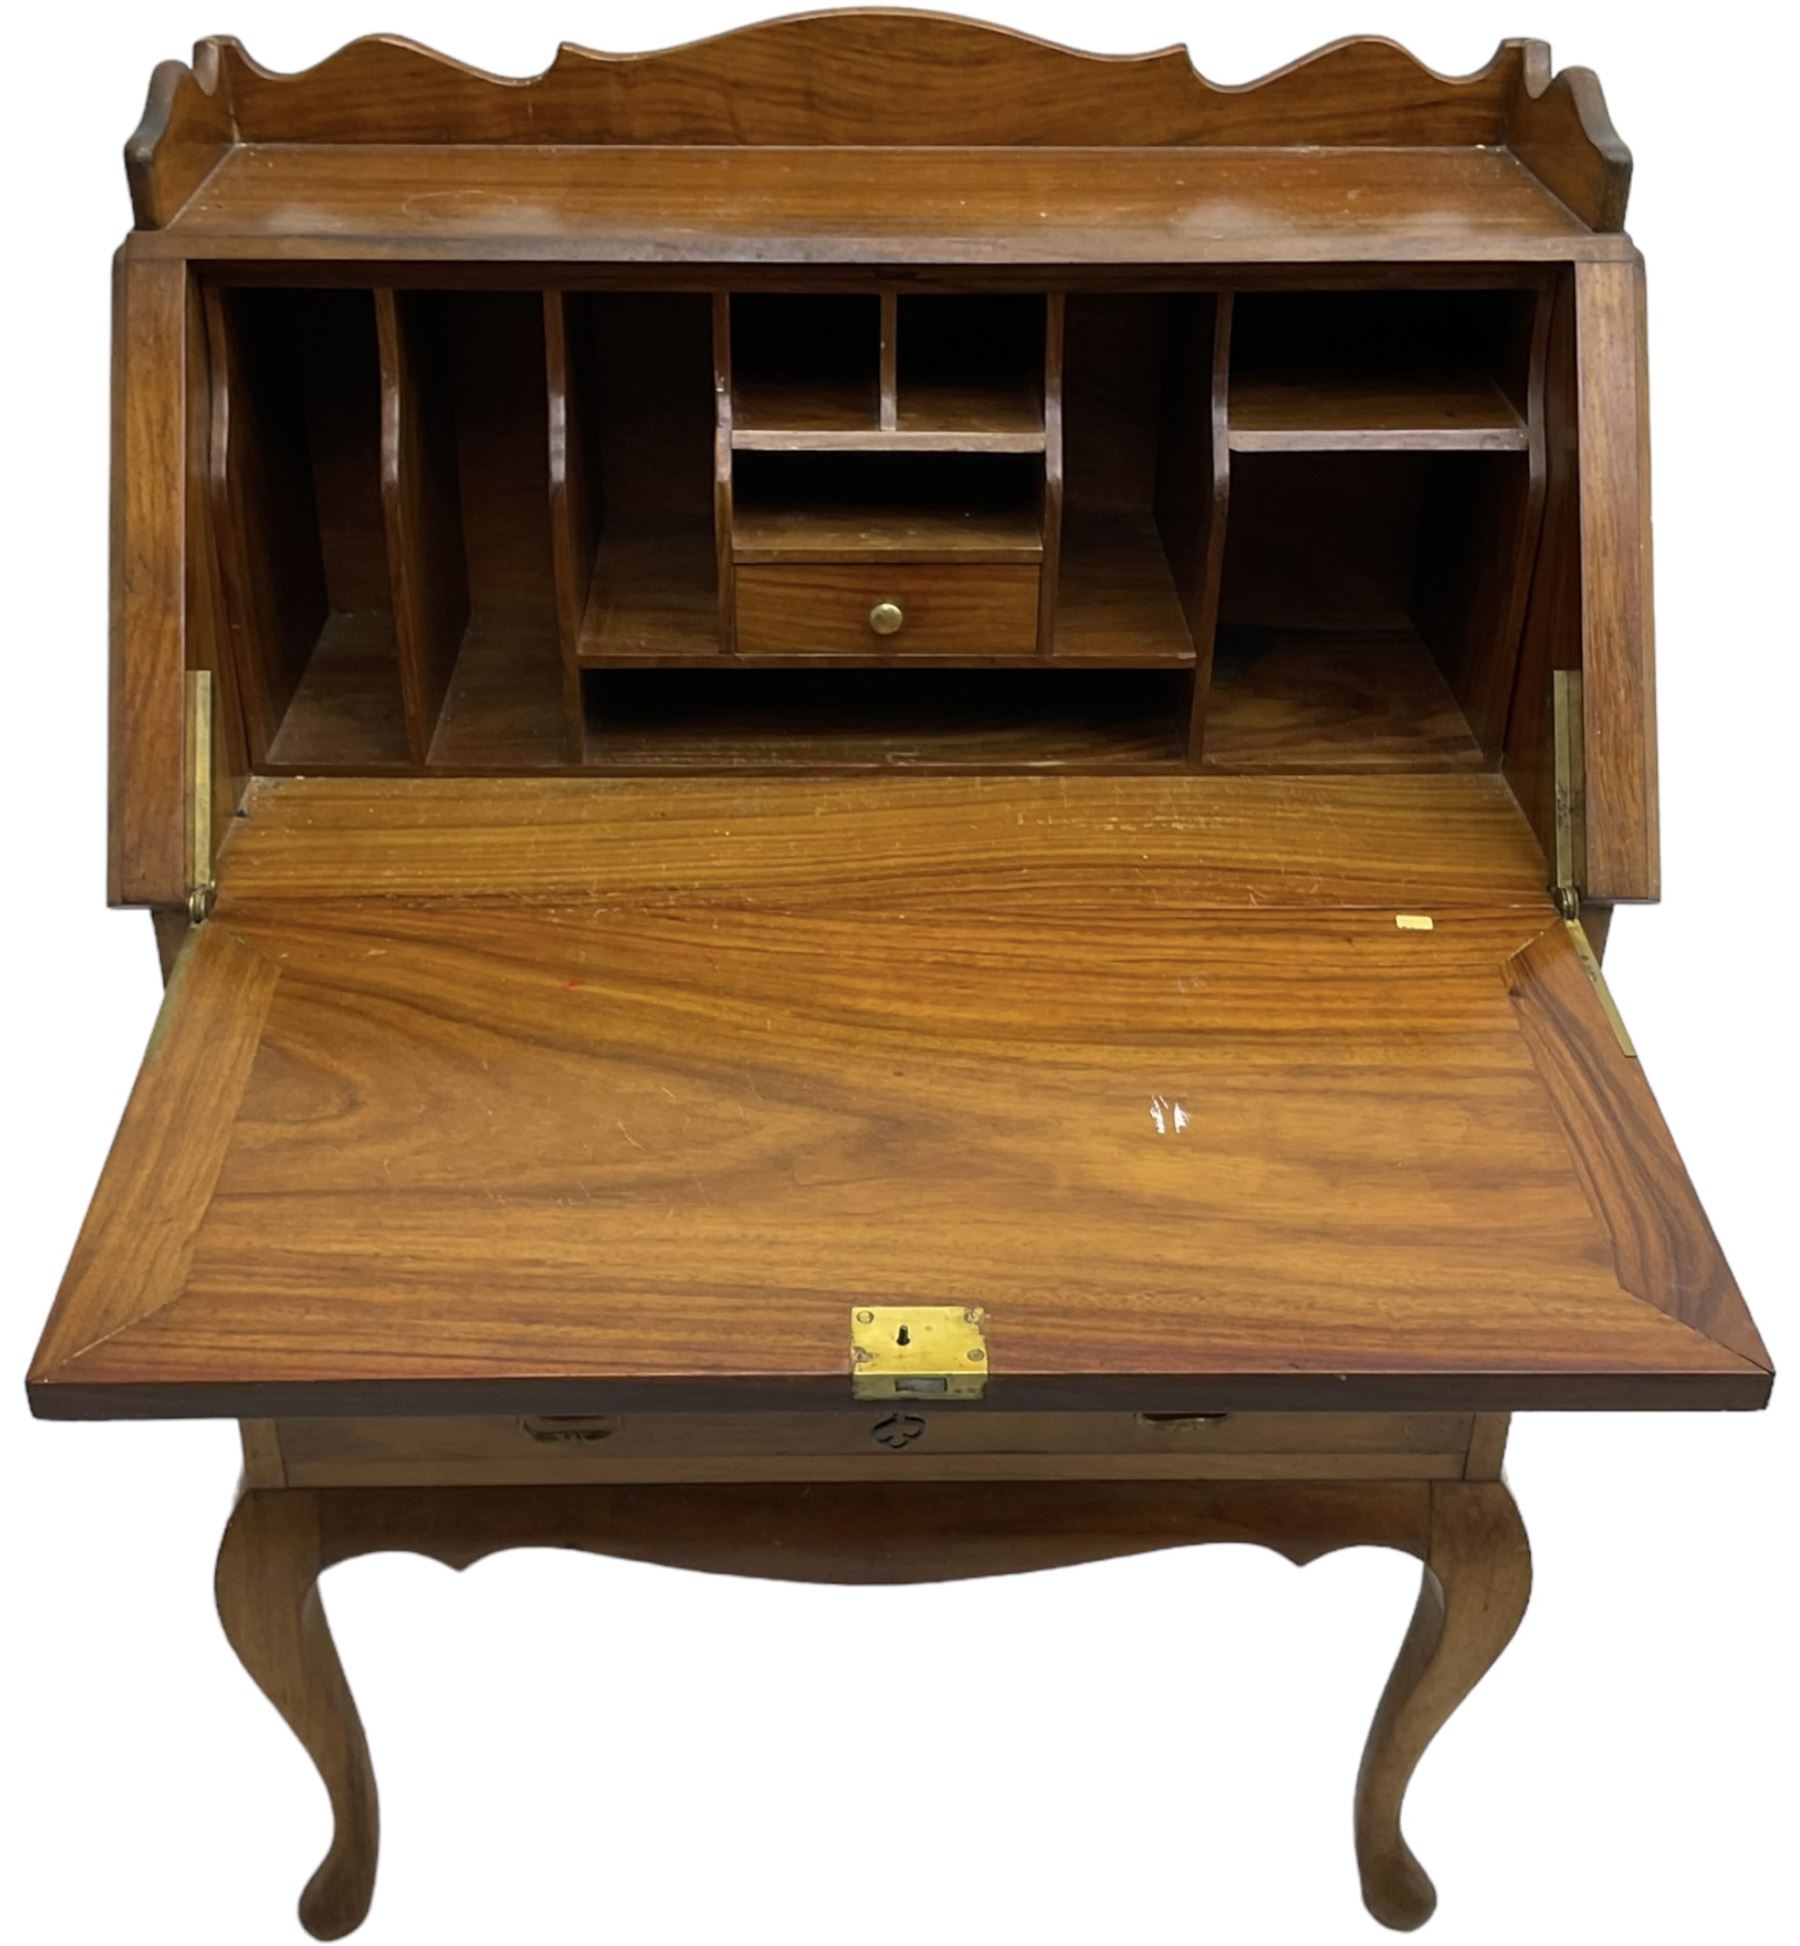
(905, 1337)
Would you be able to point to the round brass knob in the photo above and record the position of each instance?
(885, 618)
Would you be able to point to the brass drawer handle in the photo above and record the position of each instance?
(885, 617)
(1182, 1421)
(556, 1430)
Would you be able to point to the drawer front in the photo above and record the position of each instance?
(873, 609)
(873, 1442)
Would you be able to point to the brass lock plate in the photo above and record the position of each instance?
(918, 1351)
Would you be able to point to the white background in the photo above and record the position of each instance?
(576, 1749)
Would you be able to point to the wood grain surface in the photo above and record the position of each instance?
(874, 75)
(1618, 642)
(968, 206)
(649, 1145)
(819, 610)
(877, 77)
(916, 1442)
(146, 809)
(1064, 842)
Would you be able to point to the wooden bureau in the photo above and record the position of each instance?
(881, 818)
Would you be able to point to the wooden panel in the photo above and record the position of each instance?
(505, 708)
(260, 473)
(1193, 487)
(946, 611)
(975, 207)
(1479, 542)
(1116, 600)
(872, 1443)
(347, 713)
(1050, 575)
(1325, 541)
(576, 507)
(833, 715)
(1400, 412)
(617, 1157)
(421, 511)
(652, 588)
(1551, 635)
(871, 1533)
(1663, 1245)
(137, 1242)
(1353, 700)
(888, 368)
(1559, 128)
(146, 806)
(495, 365)
(209, 644)
(1618, 655)
(655, 593)
(874, 75)
(944, 517)
(336, 348)
(1218, 843)
(183, 136)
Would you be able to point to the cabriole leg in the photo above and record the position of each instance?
(1477, 1580)
(267, 1587)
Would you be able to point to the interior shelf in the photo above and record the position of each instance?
(346, 712)
(1002, 414)
(1116, 601)
(1379, 411)
(1382, 370)
(504, 708)
(946, 373)
(887, 719)
(654, 594)
(884, 508)
(804, 411)
(638, 370)
(804, 369)
(1333, 700)
(802, 416)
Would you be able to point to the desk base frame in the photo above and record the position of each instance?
(1468, 1535)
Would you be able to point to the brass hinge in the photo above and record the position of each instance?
(1571, 838)
(199, 793)
(913, 1351)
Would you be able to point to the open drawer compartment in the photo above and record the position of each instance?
(380, 497)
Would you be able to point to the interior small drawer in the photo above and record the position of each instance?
(872, 609)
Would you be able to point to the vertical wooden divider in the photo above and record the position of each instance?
(722, 472)
(1201, 597)
(1550, 637)
(576, 510)
(1471, 612)
(890, 361)
(260, 651)
(1050, 572)
(1487, 709)
(209, 645)
(421, 513)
